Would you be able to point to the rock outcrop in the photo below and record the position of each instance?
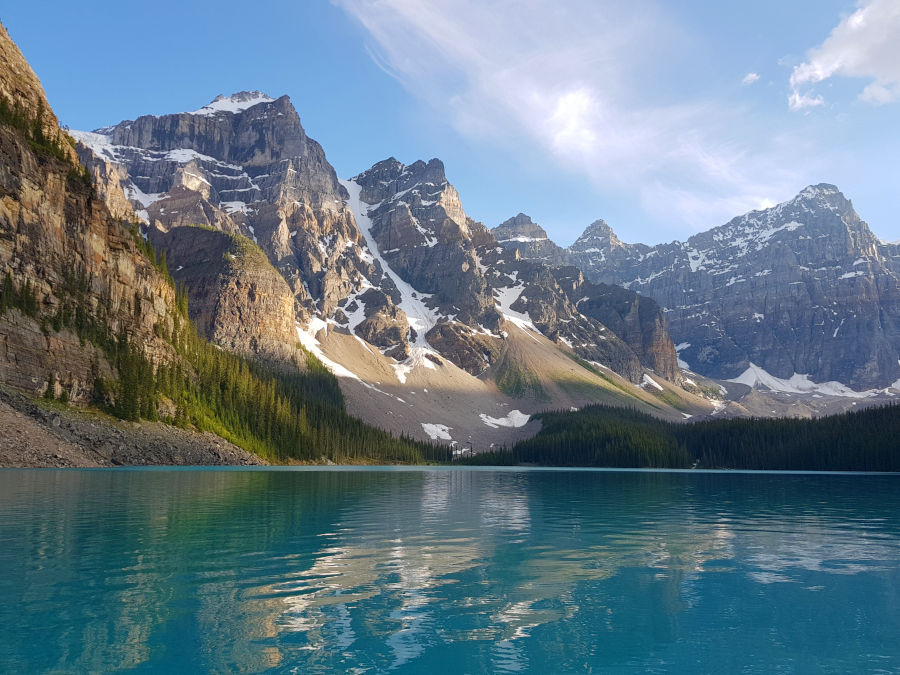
(235, 297)
(636, 319)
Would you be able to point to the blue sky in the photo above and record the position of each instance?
(663, 118)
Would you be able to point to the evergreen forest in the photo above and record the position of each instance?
(602, 436)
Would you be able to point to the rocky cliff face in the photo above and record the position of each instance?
(421, 232)
(243, 164)
(464, 289)
(803, 287)
(57, 237)
(235, 296)
(638, 320)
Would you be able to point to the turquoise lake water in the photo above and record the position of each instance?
(445, 570)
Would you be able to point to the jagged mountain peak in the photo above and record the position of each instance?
(519, 219)
(822, 196)
(827, 196)
(433, 167)
(417, 185)
(519, 228)
(598, 228)
(529, 241)
(224, 130)
(391, 170)
(596, 238)
(821, 208)
(821, 188)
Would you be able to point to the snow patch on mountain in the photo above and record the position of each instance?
(233, 104)
(418, 357)
(101, 144)
(437, 432)
(648, 381)
(310, 342)
(419, 316)
(797, 383)
(680, 347)
(515, 418)
(522, 240)
(508, 295)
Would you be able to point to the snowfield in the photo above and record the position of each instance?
(513, 419)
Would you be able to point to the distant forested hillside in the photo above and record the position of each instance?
(867, 440)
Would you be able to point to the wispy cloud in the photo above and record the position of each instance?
(865, 44)
(572, 78)
(750, 78)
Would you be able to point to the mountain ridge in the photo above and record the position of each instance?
(844, 279)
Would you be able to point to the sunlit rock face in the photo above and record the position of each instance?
(63, 243)
(803, 287)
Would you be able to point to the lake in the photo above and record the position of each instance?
(448, 570)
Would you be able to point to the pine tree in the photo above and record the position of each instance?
(7, 294)
(50, 392)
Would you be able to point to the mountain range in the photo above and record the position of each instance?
(436, 326)
(800, 290)
(433, 327)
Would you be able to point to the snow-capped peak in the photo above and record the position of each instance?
(820, 190)
(234, 103)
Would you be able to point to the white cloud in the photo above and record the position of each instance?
(798, 101)
(750, 78)
(578, 79)
(865, 44)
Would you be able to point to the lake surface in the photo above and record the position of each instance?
(445, 570)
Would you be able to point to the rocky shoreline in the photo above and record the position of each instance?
(37, 433)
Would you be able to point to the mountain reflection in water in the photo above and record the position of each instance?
(447, 571)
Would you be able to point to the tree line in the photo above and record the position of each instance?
(598, 435)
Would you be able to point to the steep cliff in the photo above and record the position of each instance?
(235, 297)
(636, 319)
(60, 246)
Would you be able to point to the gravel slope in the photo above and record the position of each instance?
(44, 434)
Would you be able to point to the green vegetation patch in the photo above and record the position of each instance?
(518, 382)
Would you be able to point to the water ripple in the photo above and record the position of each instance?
(447, 571)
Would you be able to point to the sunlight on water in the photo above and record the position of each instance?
(448, 571)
